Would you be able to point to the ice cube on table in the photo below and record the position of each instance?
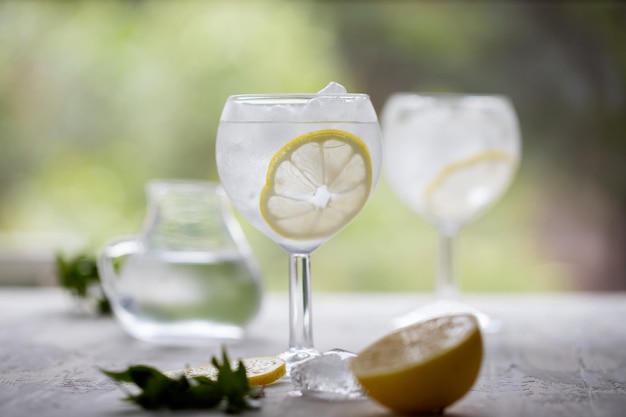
(328, 377)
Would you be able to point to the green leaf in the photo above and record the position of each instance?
(144, 375)
(77, 275)
(231, 388)
(123, 376)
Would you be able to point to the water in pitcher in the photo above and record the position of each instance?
(182, 297)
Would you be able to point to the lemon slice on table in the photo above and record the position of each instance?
(262, 370)
(423, 367)
(466, 186)
(316, 184)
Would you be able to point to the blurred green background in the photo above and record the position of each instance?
(96, 98)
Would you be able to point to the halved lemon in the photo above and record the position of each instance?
(316, 184)
(464, 187)
(424, 367)
(262, 370)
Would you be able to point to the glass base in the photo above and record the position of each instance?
(295, 356)
(448, 306)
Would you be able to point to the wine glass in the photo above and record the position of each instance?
(299, 167)
(449, 157)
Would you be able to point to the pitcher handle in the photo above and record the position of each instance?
(112, 250)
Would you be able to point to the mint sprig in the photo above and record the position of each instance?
(78, 275)
(230, 390)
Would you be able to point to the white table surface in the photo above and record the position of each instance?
(559, 355)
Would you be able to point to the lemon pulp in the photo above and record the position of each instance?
(423, 367)
(464, 187)
(316, 184)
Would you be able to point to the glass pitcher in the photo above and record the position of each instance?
(189, 276)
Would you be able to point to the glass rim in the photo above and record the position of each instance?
(450, 95)
(278, 97)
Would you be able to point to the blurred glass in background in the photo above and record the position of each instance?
(96, 98)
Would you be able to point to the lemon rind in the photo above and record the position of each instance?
(449, 169)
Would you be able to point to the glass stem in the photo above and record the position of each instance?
(300, 319)
(447, 285)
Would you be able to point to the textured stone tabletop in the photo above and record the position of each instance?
(558, 355)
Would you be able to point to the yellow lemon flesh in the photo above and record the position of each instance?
(262, 370)
(424, 367)
(464, 187)
(316, 184)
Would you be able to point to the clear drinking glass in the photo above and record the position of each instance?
(449, 157)
(299, 167)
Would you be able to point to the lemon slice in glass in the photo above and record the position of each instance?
(423, 367)
(262, 370)
(464, 187)
(316, 184)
